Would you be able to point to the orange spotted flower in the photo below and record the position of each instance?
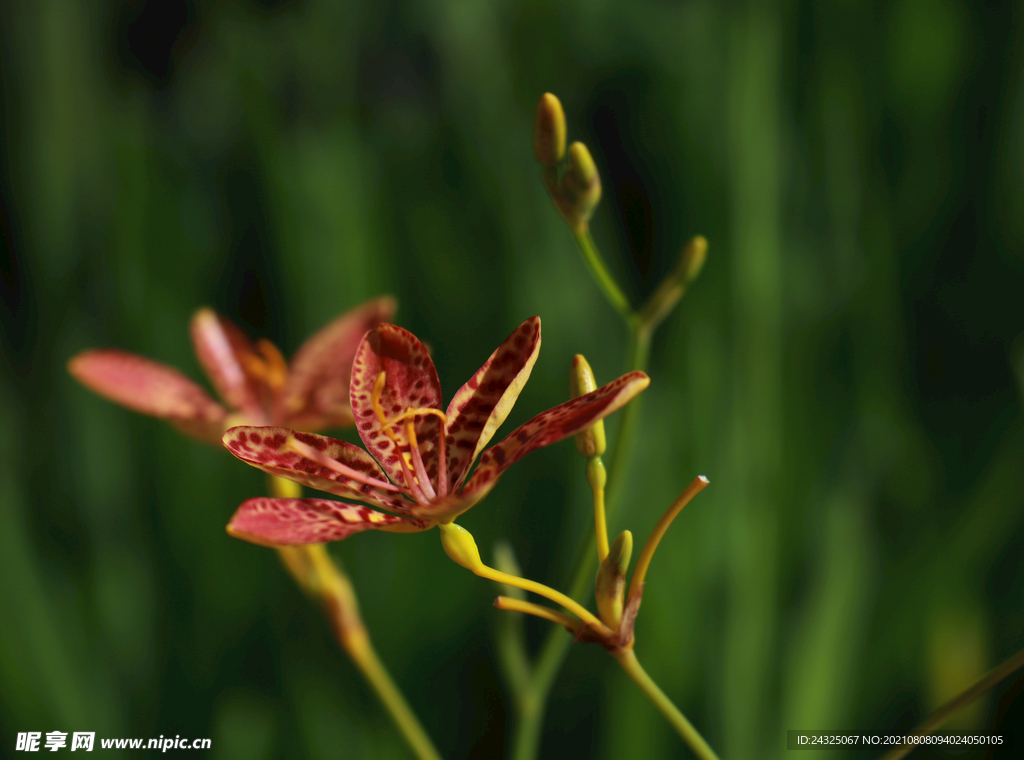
(257, 386)
(419, 456)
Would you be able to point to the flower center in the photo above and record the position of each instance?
(412, 462)
(268, 366)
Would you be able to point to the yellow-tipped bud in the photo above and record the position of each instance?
(589, 442)
(579, 191)
(459, 544)
(581, 186)
(611, 580)
(549, 131)
(582, 380)
(671, 289)
(691, 260)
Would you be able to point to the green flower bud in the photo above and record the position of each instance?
(591, 441)
(578, 192)
(549, 131)
(581, 186)
(691, 260)
(611, 580)
(671, 289)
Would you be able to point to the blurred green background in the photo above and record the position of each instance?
(843, 370)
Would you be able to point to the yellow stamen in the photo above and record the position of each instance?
(416, 461)
(413, 464)
(276, 368)
(378, 389)
(518, 605)
(266, 364)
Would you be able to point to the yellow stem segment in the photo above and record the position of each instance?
(318, 575)
(541, 590)
(627, 659)
(597, 477)
(460, 546)
(518, 605)
(695, 487)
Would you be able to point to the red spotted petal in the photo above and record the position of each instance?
(268, 449)
(481, 405)
(151, 388)
(288, 522)
(549, 427)
(231, 362)
(317, 393)
(411, 381)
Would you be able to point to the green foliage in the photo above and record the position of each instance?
(841, 371)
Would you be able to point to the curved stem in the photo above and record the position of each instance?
(940, 716)
(324, 580)
(627, 659)
(639, 352)
(529, 608)
(546, 591)
(600, 272)
(695, 487)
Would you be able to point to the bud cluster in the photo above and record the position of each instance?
(573, 181)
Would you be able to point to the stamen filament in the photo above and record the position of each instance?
(442, 459)
(410, 480)
(275, 367)
(333, 464)
(518, 605)
(417, 460)
(695, 487)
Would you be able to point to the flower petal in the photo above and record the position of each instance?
(549, 427)
(267, 448)
(151, 388)
(231, 361)
(317, 392)
(411, 381)
(288, 522)
(481, 405)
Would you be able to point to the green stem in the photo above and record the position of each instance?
(940, 716)
(604, 278)
(322, 579)
(403, 716)
(627, 659)
(556, 645)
